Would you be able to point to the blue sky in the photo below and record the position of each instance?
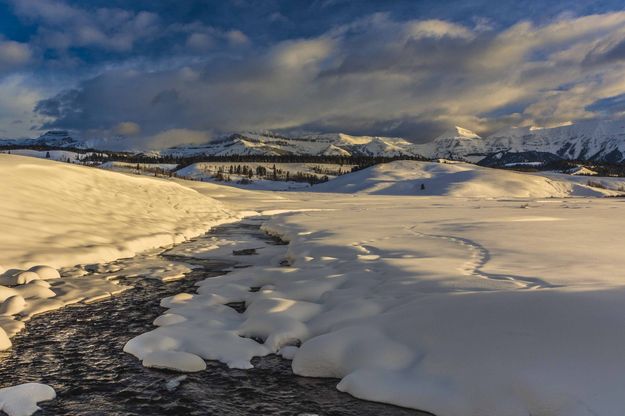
(166, 72)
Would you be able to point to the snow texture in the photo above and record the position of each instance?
(457, 180)
(22, 400)
(59, 214)
(462, 306)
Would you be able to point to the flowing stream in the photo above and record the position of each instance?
(78, 351)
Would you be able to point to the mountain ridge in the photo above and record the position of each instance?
(600, 141)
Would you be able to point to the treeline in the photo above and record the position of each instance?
(602, 168)
(184, 161)
(246, 174)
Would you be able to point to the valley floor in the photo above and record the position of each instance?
(457, 306)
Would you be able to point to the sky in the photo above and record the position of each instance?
(161, 73)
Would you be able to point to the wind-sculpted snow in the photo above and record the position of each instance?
(60, 214)
(456, 306)
(455, 179)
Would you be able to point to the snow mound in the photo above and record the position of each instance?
(22, 400)
(5, 342)
(453, 179)
(174, 360)
(60, 214)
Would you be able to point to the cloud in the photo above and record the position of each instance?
(13, 55)
(175, 137)
(127, 128)
(201, 42)
(236, 37)
(62, 26)
(17, 98)
(375, 75)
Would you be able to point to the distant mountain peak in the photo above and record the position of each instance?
(458, 132)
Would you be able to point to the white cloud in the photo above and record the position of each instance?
(236, 37)
(13, 55)
(437, 29)
(17, 100)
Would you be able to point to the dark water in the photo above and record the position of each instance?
(78, 351)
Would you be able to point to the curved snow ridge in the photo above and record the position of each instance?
(479, 257)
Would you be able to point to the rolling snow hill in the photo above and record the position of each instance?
(454, 179)
(112, 215)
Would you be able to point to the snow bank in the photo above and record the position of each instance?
(22, 400)
(453, 179)
(60, 214)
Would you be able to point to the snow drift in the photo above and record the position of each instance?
(453, 179)
(60, 214)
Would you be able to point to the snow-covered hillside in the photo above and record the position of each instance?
(457, 141)
(454, 179)
(60, 155)
(54, 138)
(61, 214)
(323, 145)
(589, 140)
(456, 306)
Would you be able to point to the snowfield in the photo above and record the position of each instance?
(487, 293)
(463, 306)
(457, 180)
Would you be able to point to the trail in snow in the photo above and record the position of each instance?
(479, 257)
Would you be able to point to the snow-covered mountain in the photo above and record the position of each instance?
(455, 143)
(62, 139)
(602, 141)
(336, 144)
(54, 138)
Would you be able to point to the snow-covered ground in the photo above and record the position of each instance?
(457, 180)
(60, 155)
(459, 306)
(60, 214)
(587, 179)
(484, 294)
